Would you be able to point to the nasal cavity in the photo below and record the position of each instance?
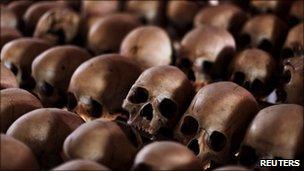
(238, 78)
(47, 89)
(147, 112)
(194, 146)
(217, 141)
(257, 86)
(189, 126)
(139, 95)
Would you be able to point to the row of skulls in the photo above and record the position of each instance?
(215, 120)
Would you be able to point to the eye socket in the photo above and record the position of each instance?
(96, 108)
(71, 102)
(189, 126)
(194, 147)
(287, 53)
(247, 156)
(206, 66)
(184, 63)
(217, 141)
(59, 34)
(286, 76)
(265, 45)
(47, 89)
(238, 77)
(257, 86)
(12, 67)
(167, 108)
(139, 95)
(244, 40)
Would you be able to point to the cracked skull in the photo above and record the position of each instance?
(253, 69)
(157, 100)
(52, 71)
(99, 85)
(263, 140)
(216, 121)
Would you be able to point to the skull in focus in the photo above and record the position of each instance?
(291, 88)
(275, 133)
(18, 56)
(205, 53)
(216, 121)
(157, 100)
(99, 85)
(254, 70)
(52, 71)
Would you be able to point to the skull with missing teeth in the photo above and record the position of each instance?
(216, 121)
(157, 100)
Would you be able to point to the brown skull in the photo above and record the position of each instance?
(107, 33)
(148, 46)
(58, 26)
(165, 155)
(8, 34)
(98, 8)
(157, 100)
(176, 13)
(253, 69)
(227, 16)
(205, 51)
(19, 8)
(99, 85)
(151, 12)
(113, 144)
(35, 11)
(44, 131)
(8, 18)
(294, 43)
(15, 155)
(275, 133)
(291, 88)
(216, 121)
(265, 31)
(52, 71)
(296, 12)
(80, 164)
(8, 79)
(15, 103)
(18, 56)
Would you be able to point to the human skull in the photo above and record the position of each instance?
(157, 100)
(205, 52)
(81, 164)
(18, 56)
(294, 44)
(291, 88)
(254, 70)
(99, 85)
(8, 79)
(227, 16)
(52, 71)
(8, 34)
(16, 102)
(216, 121)
(58, 26)
(148, 46)
(177, 157)
(275, 133)
(106, 35)
(113, 144)
(265, 31)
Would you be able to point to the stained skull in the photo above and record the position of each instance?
(157, 100)
(216, 121)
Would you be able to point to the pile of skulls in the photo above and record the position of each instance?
(151, 85)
